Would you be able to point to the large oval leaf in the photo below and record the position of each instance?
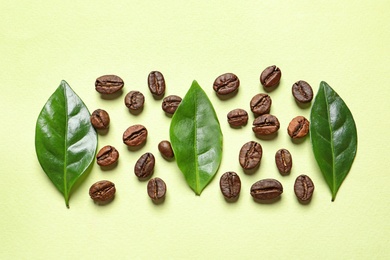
(196, 138)
(333, 136)
(65, 140)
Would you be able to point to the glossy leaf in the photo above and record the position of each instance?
(196, 138)
(333, 136)
(65, 141)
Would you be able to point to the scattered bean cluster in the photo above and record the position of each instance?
(264, 124)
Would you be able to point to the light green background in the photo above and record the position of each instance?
(345, 43)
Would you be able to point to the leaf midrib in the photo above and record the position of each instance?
(332, 146)
(65, 149)
(197, 188)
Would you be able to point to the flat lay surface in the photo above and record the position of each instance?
(344, 43)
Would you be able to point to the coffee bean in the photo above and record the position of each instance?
(135, 135)
(298, 127)
(302, 92)
(230, 185)
(108, 155)
(108, 84)
(283, 161)
(165, 149)
(156, 83)
(144, 166)
(134, 100)
(170, 104)
(226, 83)
(156, 189)
(237, 117)
(261, 104)
(265, 125)
(266, 189)
(250, 155)
(303, 188)
(102, 191)
(100, 119)
(270, 77)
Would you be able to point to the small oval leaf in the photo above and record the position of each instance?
(196, 138)
(333, 136)
(65, 140)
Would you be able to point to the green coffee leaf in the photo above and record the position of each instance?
(196, 138)
(65, 141)
(333, 136)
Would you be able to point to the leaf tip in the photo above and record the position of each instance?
(64, 83)
(325, 85)
(195, 84)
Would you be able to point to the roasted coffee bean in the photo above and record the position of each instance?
(226, 83)
(100, 119)
(156, 189)
(298, 127)
(261, 104)
(303, 188)
(237, 117)
(283, 160)
(144, 166)
(108, 84)
(170, 104)
(250, 155)
(134, 100)
(230, 185)
(302, 92)
(270, 77)
(156, 83)
(108, 155)
(165, 149)
(102, 191)
(265, 125)
(135, 135)
(266, 189)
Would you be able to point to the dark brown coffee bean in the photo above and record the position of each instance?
(237, 117)
(226, 83)
(108, 155)
(270, 77)
(261, 104)
(266, 189)
(135, 135)
(102, 191)
(170, 104)
(165, 149)
(303, 188)
(250, 155)
(283, 160)
(156, 83)
(108, 84)
(134, 100)
(230, 185)
(156, 189)
(298, 127)
(302, 92)
(144, 166)
(265, 125)
(100, 119)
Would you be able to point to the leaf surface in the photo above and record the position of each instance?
(65, 140)
(333, 136)
(196, 138)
